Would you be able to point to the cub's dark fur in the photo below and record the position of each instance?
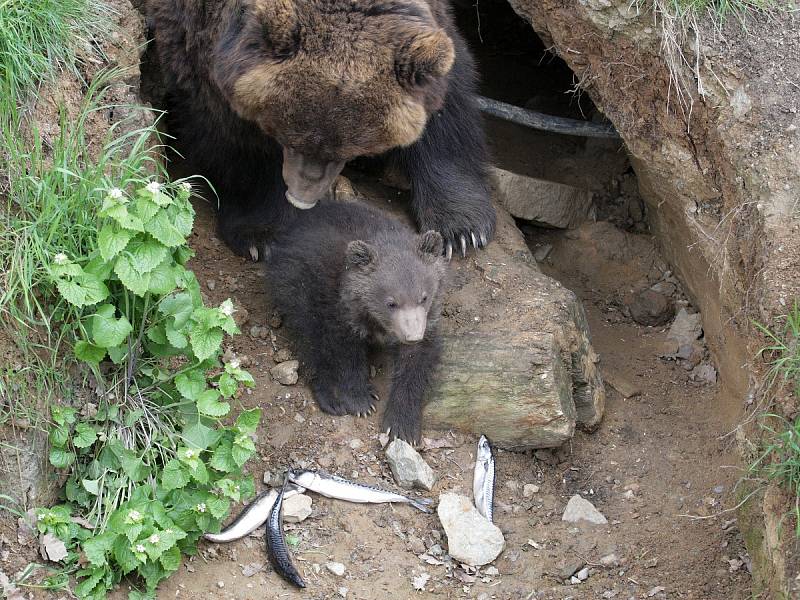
(345, 278)
(262, 94)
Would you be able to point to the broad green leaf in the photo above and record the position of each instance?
(218, 507)
(171, 559)
(179, 306)
(222, 459)
(205, 342)
(98, 267)
(163, 279)
(112, 240)
(130, 277)
(247, 421)
(240, 375)
(199, 473)
(86, 587)
(71, 292)
(58, 436)
(84, 435)
(88, 352)
(191, 384)
(118, 353)
(63, 415)
(182, 254)
(108, 331)
(95, 290)
(157, 334)
(174, 476)
(92, 486)
(230, 489)
(146, 209)
(145, 254)
(176, 338)
(162, 229)
(240, 454)
(183, 218)
(227, 385)
(98, 547)
(208, 403)
(61, 458)
(123, 555)
(125, 219)
(133, 466)
(200, 436)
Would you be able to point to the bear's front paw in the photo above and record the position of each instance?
(462, 229)
(328, 402)
(405, 426)
(360, 403)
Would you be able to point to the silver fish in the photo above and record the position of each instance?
(483, 479)
(277, 550)
(339, 488)
(253, 516)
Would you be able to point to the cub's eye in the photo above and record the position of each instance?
(391, 304)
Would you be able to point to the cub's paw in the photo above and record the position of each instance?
(244, 241)
(358, 402)
(328, 402)
(398, 425)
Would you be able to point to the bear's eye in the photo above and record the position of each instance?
(391, 304)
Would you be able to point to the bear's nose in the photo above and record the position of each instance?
(312, 170)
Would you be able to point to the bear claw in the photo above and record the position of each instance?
(449, 252)
(254, 253)
(474, 241)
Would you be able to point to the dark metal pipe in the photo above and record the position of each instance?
(536, 120)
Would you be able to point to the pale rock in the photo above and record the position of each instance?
(336, 568)
(51, 548)
(685, 328)
(529, 489)
(471, 538)
(580, 509)
(296, 508)
(285, 373)
(408, 467)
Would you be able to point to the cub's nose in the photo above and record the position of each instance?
(411, 323)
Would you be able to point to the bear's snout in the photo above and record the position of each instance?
(410, 324)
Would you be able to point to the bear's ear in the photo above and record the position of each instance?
(426, 56)
(430, 245)
(280, 26)
(360, 254)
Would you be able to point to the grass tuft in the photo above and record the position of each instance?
(38, 36)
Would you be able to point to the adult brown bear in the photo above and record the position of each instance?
(270, 98)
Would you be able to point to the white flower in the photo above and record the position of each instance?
(60, 259)
(115, 193)
(135, 515)
(235, 363)
(226, 308)
(154, 539)
(153, 187)
(139, 548)
(40, 517)
(189, 453)
(201, 507)
(186, 186)
(168, 531)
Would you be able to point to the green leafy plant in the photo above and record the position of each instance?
(151, 465)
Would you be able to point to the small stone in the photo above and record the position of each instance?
(685, 328)
(336, 568)
(491, 571)
(383, 439)
(570, 568)
(420, 581)
(211, 284)
(656, 590)
(408, 467)
(651, 308)
(705, 374)
(355, 444)
(542, 252)
(610, 594)
(471, 538)
(718, 489)
(267, 477)
(251, 569)
(529, 489)
(620, 382)
(580, 509)
(285, 373)
(609, 560)
(342, 591)
(665, 288)
(574, 580)
(583, 574)
(241, 317)
(51, 548)
(220, 584)
(416, 545)
(282, 355)
(296, 508)
(299, 418)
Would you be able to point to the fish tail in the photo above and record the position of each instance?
(422, 504)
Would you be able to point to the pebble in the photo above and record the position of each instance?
(686, 328)
(491, 571)
(211, 284)
(574, 580)
(343, 592)
(651, 308)
(609, 560)
(471, 539)
(580, 509)
(299, 418)
(542, 252)
(583, 574)
(705, 374)
(336, 568)
(251, 569)
(282, 355)
(408, 467)
(285, 373)
(512, 485)
(297, 508)
(355, 444)
(383, 439)
(656, 590)
(416, 545)
(220, 584)
(529, 489)
(570, 568)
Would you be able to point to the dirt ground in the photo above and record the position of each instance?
(656, 458)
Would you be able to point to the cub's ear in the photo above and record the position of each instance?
(430, 245)
(360, 254)
(280, 26)
(424, 57)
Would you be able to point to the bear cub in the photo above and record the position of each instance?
(348, 279)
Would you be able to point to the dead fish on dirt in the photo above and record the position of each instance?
(253, 516)
(339, 488)
(483, 479)
(277, 550)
